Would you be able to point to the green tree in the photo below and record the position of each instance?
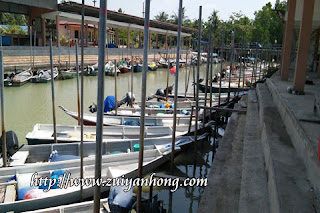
(162, 16)
(268, 25)
(184, 18)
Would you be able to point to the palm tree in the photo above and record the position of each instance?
(184, 18)
(162, 16)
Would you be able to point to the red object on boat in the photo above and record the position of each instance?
(173, 70)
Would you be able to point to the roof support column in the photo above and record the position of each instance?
(166, 44)
(189, 42)
(287, 43)
(43, 32)
(139, 40)
(57, 30)
(170, 41)
(304, 44)
(128, 37)
(117, 37)
(86, 33)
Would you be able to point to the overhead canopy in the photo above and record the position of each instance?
(110, 23)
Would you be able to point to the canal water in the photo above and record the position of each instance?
(31, 103)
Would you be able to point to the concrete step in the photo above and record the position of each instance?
(289, 188)
(254, 183)
(223, 190)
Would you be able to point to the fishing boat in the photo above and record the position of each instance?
(123, 165)
(91, 70)
(162, 63)
(224, 87)
(32, 154)
(43, 133)
(137, 68)
(124, 68)
(152, 66)
(44, 76)
(22, 78)
(109, 120)
(67, 74)
(110, 69)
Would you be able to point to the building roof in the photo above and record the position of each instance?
(76, 8)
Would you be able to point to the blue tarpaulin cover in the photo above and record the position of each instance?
(109, 103)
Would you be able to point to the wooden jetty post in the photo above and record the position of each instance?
(52, 93)
(174, 127)
(100, 98)
(256, 64)
(198, 72)
(207, 75)
(81, 100)
(221, 67)
(4, 142)
(143, 97)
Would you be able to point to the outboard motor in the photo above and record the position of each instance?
(127, 99)
(160, 92)
(93, 108)
(12, 143)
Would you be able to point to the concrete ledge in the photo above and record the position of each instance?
(219, 195)
(289, 187)
(254, 184)
(304, 146)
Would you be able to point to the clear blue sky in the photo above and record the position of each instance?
(225, 7)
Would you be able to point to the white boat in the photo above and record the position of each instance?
(44, 76)
(113, 166)
(111, 120)
(43, 133)
(31, 154)
(22, 78)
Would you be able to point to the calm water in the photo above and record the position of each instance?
(30, 104)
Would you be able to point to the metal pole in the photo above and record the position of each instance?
(4, 141)
(132, 84)
(69, 48)
(143, 97)
(34, 44)
(231, 61)
(101, 71)
(207, 74)
(176, 88)
(30, 33)
(168, 75)
(211, 74)
(244, 65)
(52, 93)
(198, 72)
(81, 98)
(186, 75)
(221, 68)
(187, 84)
(78, 95)
(256, 63)
(115, 87)
(240, 66)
